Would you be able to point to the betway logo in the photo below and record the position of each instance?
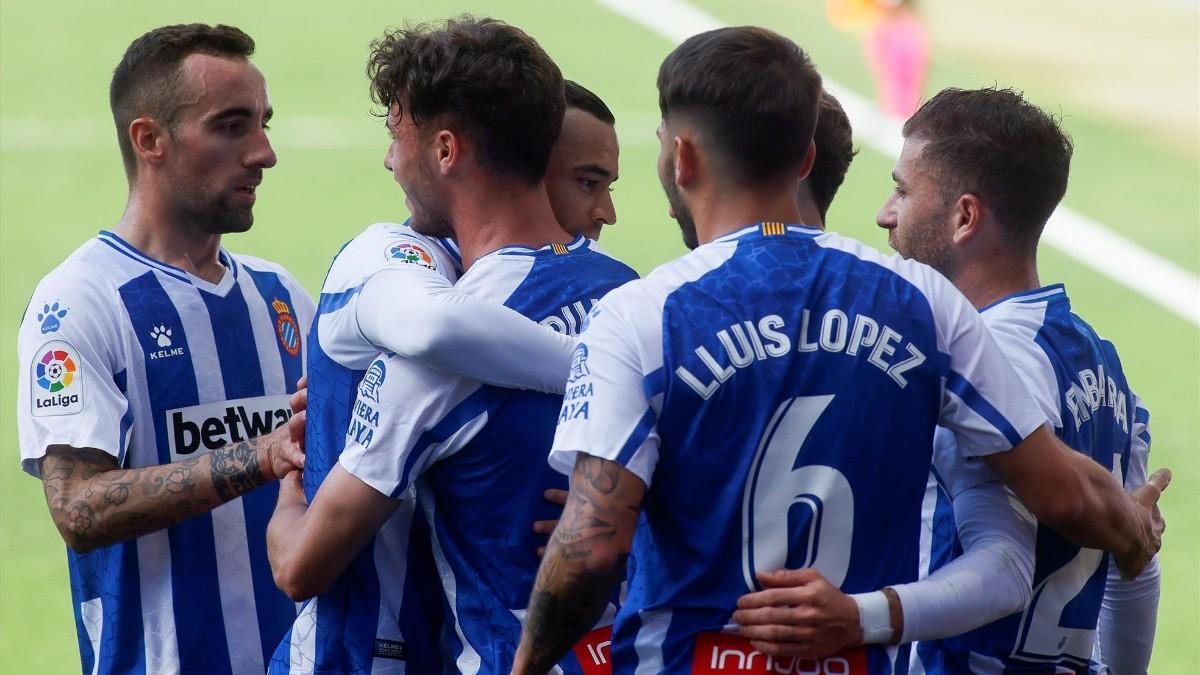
(209, 426)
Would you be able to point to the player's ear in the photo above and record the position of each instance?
(966, 215)
(447, 150)
(148, 139)
(687, 161)
(810, 158)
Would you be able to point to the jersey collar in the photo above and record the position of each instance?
(219, 288)
(551, 249)
(769, 229)
(1044, 294)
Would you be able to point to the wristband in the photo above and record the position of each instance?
(875, 617)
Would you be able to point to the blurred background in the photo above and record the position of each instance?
(1125, 77)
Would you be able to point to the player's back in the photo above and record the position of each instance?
(793, 381)
(482, 498)
(1077, 378)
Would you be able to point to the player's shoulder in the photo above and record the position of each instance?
(257, 264)
(918, 274)
(86, 281)
(615, 265)
(388, 244)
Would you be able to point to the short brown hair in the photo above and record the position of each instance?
(996, 145)
(753, 89)
(491, 80)
(146, 82)
(835, 150)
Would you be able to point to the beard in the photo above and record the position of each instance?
(927, 242)
(430, 216)
(193, 206)
(679, 209)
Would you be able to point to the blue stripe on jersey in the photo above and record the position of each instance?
(655, 383)
(171, 381)
(636, 437)
(241, 373)
(967, 393)
(473, 406)
(271, 288)
(110, 574)
(120, 379)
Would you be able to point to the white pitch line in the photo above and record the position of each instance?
(1081, 238)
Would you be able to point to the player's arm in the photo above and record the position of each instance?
(418, 313)
(1082, 501)
(94, 502)
(801, 614)
(584, 561)
(310, 546)
(1129, 611)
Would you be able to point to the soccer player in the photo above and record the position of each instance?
(583, 164)
(992, 257)
(772, 397)
(475, 172)
(155, 363)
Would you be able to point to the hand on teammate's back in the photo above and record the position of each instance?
(298, 402)
(798, 613)
(1132, 563)
(546, 527)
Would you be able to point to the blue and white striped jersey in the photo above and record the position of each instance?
(479, 451)
(777, 390)
(1076, 378)
(152, 365)
(360, 625)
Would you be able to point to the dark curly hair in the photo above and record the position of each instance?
(490, 80)
(146, 82)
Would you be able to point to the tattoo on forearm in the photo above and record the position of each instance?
(95, 503)
(580, 569)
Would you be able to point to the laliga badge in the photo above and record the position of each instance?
(56, 376)
(411, 252)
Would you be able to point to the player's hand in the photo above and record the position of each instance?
(291, 489)
(798, 613)
(1133, 562)
(278, 454)
(298, 403)
(546, 527)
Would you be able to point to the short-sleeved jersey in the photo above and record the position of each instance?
(1076, 377)
(360, 625)
(139, 359)
(480, 451)
(777, 390)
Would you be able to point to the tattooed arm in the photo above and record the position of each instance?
(95, 503)
(583, 562)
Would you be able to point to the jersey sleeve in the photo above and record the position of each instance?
(990, 580)
(71, 386)
(437, 324)
(406, 417)
(608, 411)
(1139, 450)
(985, 403)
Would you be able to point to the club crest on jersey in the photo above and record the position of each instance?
(411, 253)
(372, 380)
(57, 372)
(579, 366)
(286, 327)
(161, 334)
(50, 317)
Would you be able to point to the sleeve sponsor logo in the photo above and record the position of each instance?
(50, 317)
(208, 426)
(57, 374)
(579, 363)
(286, 327)
(365, 420)
(412, 253)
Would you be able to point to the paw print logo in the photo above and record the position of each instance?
(49, 316)
(162, 335)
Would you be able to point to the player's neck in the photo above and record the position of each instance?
(146, 227)
(719, 211)
(492, 219)
(987, 280)
(809, 213)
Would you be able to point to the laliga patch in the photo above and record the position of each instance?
(411, 252)
(57, 379)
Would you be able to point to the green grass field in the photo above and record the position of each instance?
(61, 181)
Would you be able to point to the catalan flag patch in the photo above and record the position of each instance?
(774, 229)
(559, 249)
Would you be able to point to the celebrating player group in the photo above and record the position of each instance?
(783, 452)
